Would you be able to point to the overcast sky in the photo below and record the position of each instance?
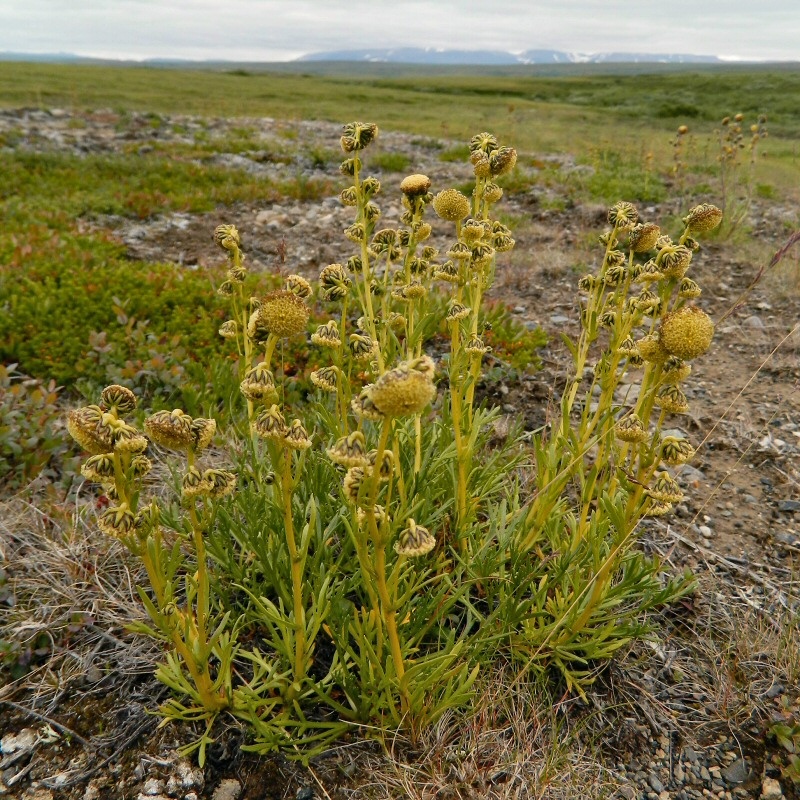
(272, 30)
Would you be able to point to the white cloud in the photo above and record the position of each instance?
(271, 30)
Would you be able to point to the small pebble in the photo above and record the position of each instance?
(771, 789)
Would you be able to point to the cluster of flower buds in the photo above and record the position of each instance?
(118, 461)
(643, 283)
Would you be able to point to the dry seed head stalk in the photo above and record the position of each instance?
(170, 429)
(702, 218)
(406, 389)
(282, 314)
(89, 427)
(258, 384)
(687, 332)
(414, 541)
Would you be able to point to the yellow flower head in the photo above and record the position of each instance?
(282, 314)
(222, 482)
(270, 424)
(623, 214)
(326, 378)
(415, 185)
(227, 237)
(258, 384)
(90, 427)
(451, 205)
(414, 541)
(350, 451)
(117, 521)
(119, 399)
(502, 161)
(203, 431)
(298, 285)
(687, 332)
(675, 451)
(651, 349)
(406, 389)
(358, 135)
(297, 436)
(672, 400)
(170, 429)
(702, 218)
(643, 237)
(630, 429)
(665, 489)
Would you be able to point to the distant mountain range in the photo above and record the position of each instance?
(401, 55)
(428, 55)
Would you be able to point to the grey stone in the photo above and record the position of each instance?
(737, 772)
(789, 505)
(559, 319)
(771, 789)
(654, 781)
(229, 789)
(753, 321)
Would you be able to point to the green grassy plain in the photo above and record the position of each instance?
(621, 123)
(571, 110)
